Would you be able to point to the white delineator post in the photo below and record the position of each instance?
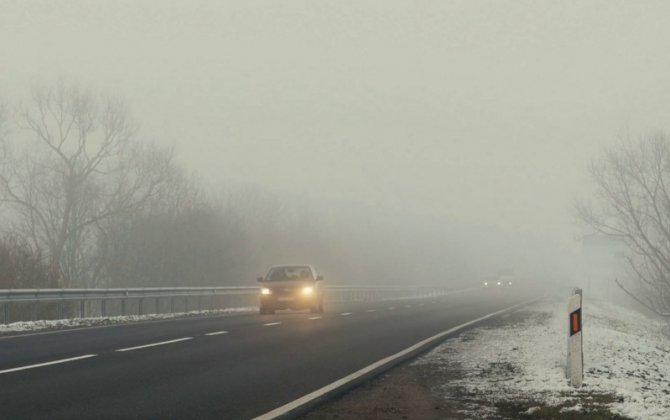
(575, 363)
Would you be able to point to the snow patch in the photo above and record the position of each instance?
(625, 355)
(34, 326)
(576, 408)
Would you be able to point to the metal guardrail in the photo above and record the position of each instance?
(23, 295)
(61, 303)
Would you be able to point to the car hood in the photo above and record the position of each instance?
(287, 284)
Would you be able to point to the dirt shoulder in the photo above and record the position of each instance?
(403, 393)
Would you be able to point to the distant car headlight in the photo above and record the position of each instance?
(266, 291)
(486, 283)
(499, 283)
(509, 283)
(307, 290)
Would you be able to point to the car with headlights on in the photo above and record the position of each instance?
(295, 286)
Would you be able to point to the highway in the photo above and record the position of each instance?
(227, 367)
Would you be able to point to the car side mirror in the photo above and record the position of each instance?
(259, 279)
(319, 278)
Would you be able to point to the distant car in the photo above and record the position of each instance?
(489, 281)
(506, 280)
(493, 281)
(295, 286)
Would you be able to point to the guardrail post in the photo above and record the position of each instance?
(575, 362)
(82, 308)
(186, 304)
(33, 312)
(199, 303)
(103, 307)
(123, 307)
(7, 312)
(139, 307)
(158, 305)
(172, 304)
(60, 309)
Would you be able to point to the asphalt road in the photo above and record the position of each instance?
(229, 367)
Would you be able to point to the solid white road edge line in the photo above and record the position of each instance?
(155, 344)
(216, 333)
(55, 362)
(271, 324)
(346, 313)
(284, 409)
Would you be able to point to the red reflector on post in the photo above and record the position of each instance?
(576, 321)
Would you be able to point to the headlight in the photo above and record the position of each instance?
(266, 291)
(499, 283)
(509, 283)
(307, 290)
(486, 283)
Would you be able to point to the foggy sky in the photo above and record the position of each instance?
(483, 112)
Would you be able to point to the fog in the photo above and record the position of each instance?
(454, 134)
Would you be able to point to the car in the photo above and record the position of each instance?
(497, 281)
(291, 286)
(489, 281)
(506, 277)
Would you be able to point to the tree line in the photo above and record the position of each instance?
(86, 203)
(631, 204)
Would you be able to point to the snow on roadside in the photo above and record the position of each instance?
(625, 355)
(57, 324)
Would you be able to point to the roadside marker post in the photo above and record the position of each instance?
(575, 363)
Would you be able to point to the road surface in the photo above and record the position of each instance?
(228, 367)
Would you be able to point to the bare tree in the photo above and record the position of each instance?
(20, 266)
(157, 244)
(632, 202)
(3, 121)
(79, 168)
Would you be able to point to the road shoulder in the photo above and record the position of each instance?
(512, 367)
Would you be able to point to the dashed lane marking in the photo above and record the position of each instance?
(161, 343)
(346, 313)
(371, 310)
(217, 333)
(314, 317)
(270, 324)
(55, 362)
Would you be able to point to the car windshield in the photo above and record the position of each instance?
(289, 273)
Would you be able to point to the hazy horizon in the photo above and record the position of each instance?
(485, 113)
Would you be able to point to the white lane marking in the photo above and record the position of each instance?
(55, 362)
(161, 343)
(217, 333)
(314, 317)
(371, 310)
(271, 324)
(346, 313)
(287, 408)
